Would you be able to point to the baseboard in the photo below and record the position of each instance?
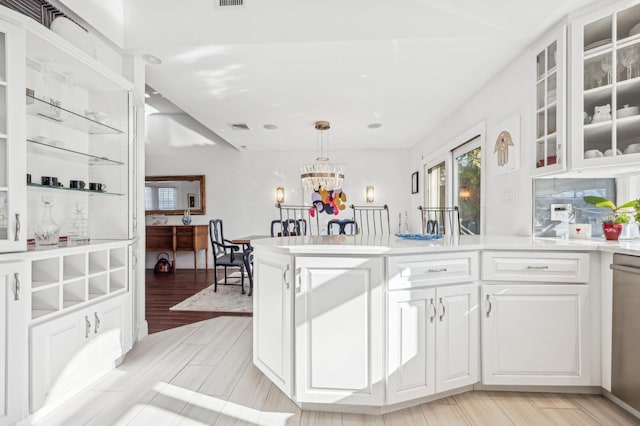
(611, 397)
(590, 390)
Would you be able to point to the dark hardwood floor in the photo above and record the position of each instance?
(165, 290)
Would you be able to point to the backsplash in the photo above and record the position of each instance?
(569, 191)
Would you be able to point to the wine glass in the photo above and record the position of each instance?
(598, 74)
(606, 65)
(629, 57)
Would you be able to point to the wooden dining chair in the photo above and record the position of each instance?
(225, 254)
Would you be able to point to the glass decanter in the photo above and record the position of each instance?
(47, 232)
(79, 230)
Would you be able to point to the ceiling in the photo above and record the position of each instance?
(405, 64)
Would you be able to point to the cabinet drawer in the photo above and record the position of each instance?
(426, 270)
(536, 266)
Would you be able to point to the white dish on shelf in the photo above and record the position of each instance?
(593, 153)
(634, 148)
(628, 111)
(609, 152)
(598, 44)
(635, 30)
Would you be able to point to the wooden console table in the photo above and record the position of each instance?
(177, 238)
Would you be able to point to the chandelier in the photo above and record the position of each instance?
(322, 174)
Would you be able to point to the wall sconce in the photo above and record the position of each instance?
(369, 194)
(280, 195)
(464, 193)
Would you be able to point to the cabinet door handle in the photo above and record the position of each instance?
(537, 267)
(18, 226)
(285, 280)
(437, 270)
(444, 311)
(490, 306)
(17, 278)
(87, 329)
(97, 322)
(434, 311)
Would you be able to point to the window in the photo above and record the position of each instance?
(467, 178)
(158, 198)
(455, 179)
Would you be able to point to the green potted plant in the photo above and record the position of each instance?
(620, 215)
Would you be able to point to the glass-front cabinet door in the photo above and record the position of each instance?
(550, 101)
(606, 105)
(12, 144)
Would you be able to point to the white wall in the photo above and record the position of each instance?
(240, 186)
(509, 93)
(105, 16)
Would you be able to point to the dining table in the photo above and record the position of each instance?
(246, 245)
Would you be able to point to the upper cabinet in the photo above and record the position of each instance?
(65, 141)
(605, 92)
(550, 102)
(13, 211)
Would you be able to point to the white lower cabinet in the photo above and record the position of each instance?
(432, 341)
(13, 343)
(535, 334)
(272, 318)
(339, 330)
(73, 350)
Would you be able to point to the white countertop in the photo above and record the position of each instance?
(390, 244)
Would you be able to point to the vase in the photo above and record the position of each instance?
(47, 232)
(611, 231)
(186, 218)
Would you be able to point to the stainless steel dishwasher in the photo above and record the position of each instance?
(625, 351)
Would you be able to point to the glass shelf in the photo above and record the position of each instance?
(62, 188)
(68, 154)
(64, 117)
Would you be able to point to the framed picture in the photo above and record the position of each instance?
(414, 183)
(191, 200)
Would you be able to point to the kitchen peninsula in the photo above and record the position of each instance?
(376, 323)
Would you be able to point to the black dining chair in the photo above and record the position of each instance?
(225, 254)
(342, 225)
(285, 228)
(248, 264)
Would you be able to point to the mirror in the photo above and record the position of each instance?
(171, 195)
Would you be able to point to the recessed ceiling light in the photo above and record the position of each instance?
(150, 59)
(146, 95)
(270, 126)
(374, 125)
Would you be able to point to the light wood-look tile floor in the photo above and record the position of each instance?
(202, 374)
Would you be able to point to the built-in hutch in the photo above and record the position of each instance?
(65, 141)
(587, 113)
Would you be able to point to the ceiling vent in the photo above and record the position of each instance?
(239, 126)
(225, 3)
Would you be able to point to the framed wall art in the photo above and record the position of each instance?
(414, 183)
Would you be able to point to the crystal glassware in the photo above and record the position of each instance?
(47, 232)
(606, 66)
(629, 58)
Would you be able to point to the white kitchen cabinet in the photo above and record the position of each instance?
(535, 334)
(550, 102)
(538, 266)
(13, 200)
(606, 77)
(273, 318)
(432, 341)
(339, 330)
(71, 351)
(13, 343)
